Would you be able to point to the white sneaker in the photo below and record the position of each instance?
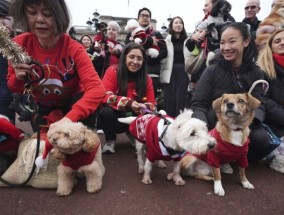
(227, 169)
(108, 148)
(100, 131)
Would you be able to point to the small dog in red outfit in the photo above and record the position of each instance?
(235, 113)
(167, 139)
(79, 150)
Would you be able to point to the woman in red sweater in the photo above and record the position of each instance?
(129, 88)
(70, 82)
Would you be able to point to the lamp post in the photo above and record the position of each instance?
(170, 18)
(164, 30)
(92, 23)
(89, 24)
(96, 16)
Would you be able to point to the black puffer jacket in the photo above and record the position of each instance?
(274, 103)
(219, 78)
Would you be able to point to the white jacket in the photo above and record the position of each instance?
(167, 63)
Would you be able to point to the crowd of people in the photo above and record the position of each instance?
(98, 79)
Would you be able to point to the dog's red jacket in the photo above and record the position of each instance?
(225, 152)
(80, 158)
(145, 129)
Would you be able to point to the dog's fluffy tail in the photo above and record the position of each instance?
(127, 120)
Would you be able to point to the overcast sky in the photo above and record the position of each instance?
(189, 10)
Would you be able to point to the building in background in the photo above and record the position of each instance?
(91, 29)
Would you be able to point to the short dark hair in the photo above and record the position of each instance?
(58, 9)
(144, 8)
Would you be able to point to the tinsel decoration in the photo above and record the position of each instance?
(12, 51)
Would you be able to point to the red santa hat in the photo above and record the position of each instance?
(12, 135)
(41, 161)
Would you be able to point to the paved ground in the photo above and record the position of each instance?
(123, 193)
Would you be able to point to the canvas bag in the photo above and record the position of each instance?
(195, 61)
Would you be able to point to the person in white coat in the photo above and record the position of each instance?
(173, 76)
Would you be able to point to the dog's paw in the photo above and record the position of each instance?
(218, 189)
(141, 169)
(247, 184)
(177, 179)
(146, 180)
(161, 164)
(170, 176)
(62, 192)
(94, 189)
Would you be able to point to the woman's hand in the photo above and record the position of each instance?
(136, 107)
(198, 36)
(55, 124)
(23, 70)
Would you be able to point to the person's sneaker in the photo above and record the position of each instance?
(108, 148)
(100, 131)
(227, 169)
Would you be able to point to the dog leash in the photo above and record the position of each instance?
(33, 168)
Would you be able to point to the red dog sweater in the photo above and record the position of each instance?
(147, 129)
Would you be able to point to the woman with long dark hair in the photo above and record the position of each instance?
(129, 89)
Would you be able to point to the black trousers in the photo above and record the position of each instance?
(110, 125)
(175, 93)
(259, 146)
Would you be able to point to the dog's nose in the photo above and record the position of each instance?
(54, 140)
(211, 145)
(230, 105)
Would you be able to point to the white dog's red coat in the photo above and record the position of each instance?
(147, 129)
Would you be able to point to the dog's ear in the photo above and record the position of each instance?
(253, 102)
(91, 140)
(216, 105)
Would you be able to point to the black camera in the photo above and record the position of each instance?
(23, 105)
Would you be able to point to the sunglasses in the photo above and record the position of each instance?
(144, 15)
(251, 7)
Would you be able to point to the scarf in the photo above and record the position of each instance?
(279, 59)
(253, 24)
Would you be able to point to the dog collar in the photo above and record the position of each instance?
(172, 151)
(169, 150)
(237, 129)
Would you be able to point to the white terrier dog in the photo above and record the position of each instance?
(167, 139)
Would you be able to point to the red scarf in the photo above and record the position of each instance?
(279, 59)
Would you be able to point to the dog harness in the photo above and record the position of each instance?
(147, 129)
(225, 152)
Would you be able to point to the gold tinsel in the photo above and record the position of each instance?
(9, 49)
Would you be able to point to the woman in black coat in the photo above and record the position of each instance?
(271, 60)
(233, 71)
